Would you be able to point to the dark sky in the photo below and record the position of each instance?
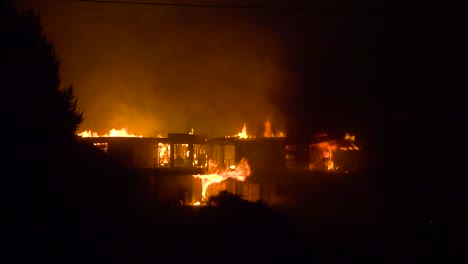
(361, 66)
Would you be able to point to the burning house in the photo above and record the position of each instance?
(190, 168)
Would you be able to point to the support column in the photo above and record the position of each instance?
(190, 158)
(171, 155)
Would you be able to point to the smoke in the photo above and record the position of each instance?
(158, 70)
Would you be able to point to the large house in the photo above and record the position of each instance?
(170, 163)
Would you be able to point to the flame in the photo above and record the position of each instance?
(191, 131)
(243, 134)
(88, 133)
(269, 133)
(266, 133)
(123, 132)
(215, 175)
(164, 154)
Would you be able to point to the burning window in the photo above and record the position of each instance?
(321, 156)
(164, 152)
(181, 155)
(102, 146)
(200, 156)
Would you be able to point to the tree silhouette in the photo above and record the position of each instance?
(34, 102)
(40, 118)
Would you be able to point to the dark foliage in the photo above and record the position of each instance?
(61, 197)
(229, 230)
(227, 199)
(34, 103)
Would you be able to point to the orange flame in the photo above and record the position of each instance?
(123, 132)
(243, 133)
(266, 133)
(239, 172)
(269, 133)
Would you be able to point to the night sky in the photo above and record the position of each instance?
(386, 73)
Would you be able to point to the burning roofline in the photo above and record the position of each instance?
(200, 139)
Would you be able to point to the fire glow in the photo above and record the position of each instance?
(240, 172)
(268, 132)
(123, 132)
